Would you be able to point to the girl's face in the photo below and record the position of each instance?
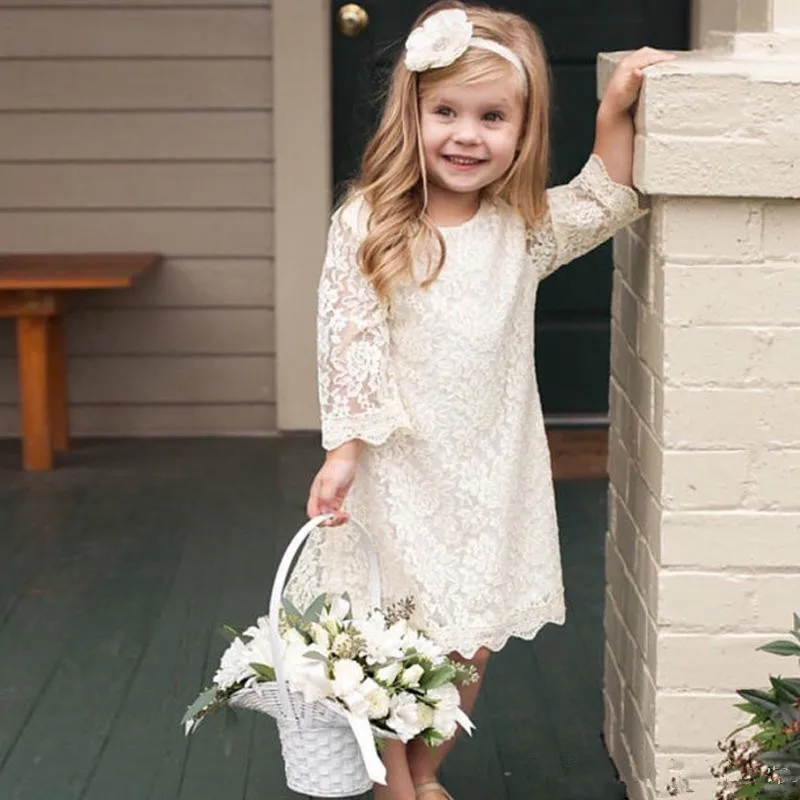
(470, 135)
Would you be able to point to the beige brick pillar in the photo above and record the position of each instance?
(703, 550)
(785, 15)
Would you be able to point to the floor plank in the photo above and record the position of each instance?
(116, 573)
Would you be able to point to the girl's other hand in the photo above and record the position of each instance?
(332, 483)
(623, 88)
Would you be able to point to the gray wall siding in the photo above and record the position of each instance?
(147, 125)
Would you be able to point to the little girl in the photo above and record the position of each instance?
(430, 409)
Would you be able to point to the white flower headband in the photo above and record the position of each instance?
(444, 37)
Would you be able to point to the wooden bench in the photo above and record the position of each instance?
(34, 288)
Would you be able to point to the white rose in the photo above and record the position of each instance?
(439, 41)
(389, 673)
(378, 703)
(403, 717)
(412, 675)
(347, 677)
(425, 716)
(370, 700)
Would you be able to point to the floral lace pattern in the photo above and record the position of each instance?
(456, 485)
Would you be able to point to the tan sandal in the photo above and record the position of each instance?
(427, 788)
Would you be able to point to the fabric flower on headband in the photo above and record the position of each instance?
(439, 41)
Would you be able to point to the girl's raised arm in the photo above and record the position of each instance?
(600, 200)
(614, 133)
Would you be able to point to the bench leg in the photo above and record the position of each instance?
(32, 353)
(57, 384)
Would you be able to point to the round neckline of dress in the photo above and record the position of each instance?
(467, 223)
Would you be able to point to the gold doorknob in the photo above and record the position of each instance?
(352, 19)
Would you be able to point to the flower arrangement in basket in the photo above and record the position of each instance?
(335, 682)
(767, 764)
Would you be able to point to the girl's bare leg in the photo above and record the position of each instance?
(398, 778)
(423, 761)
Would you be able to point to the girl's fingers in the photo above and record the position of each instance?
(329, 490)
(330, 499)
(647, 56)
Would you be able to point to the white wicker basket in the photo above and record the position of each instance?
(320, 751)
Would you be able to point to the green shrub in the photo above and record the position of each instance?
(767, 763)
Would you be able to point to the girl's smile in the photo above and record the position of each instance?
(463, 163)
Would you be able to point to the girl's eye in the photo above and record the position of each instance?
(444, 111)
(493, 116)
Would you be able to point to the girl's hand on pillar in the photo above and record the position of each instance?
(626, 82)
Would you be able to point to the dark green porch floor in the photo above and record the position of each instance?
(117, 570)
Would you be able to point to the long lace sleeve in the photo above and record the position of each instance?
(358, 394)
(583, 214)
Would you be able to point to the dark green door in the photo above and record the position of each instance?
(573, 312)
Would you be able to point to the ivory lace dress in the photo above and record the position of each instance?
(455, 483)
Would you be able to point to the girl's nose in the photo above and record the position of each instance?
(466, 133)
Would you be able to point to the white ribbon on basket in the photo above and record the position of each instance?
(360, 726)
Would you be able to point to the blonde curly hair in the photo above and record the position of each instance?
(391, 179)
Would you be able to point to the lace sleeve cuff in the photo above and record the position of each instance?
(373, 428)
(583, 214)
(623, 202)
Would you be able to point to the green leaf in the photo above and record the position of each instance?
(760, 699)
(290, 609)
(315, 609)
(264, 672)
(230, 632)
(438, 676)
(784, 691)
(751, 789)
(782, 647)
(315, 656)
(779, 759)
(205, 699)
(793, 683)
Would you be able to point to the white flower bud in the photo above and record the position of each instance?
(412, 675)
(389, 673)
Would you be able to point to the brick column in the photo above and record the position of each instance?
(785, 15)
(703, 549)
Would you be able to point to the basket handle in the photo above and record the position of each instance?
(279, 585)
